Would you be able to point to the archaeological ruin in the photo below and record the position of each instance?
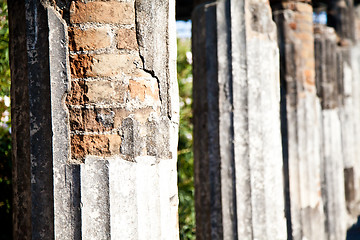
(95, 118)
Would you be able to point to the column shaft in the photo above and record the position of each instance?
(301, 125)
(95, 119)
(237, 149)
(332, 153)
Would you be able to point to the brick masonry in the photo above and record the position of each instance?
(109, 84)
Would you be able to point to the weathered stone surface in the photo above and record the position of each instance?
(301, 123)
(238, 161)
(20, 119)
(152, 43)
(332, 176)
(326, 67)
(32, 140)
(353, 186)
(348, 82)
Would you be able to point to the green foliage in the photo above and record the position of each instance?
(5, 137)
(185, 153)
(4, 51)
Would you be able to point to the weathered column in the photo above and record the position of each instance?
(342, 18)
(332, 165)
(353, 195)
(301, 125)
(237, 142)
(94, 119)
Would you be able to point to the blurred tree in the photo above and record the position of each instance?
(5, 138)
(185, 152)
(4, 51)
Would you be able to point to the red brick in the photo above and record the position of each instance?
(103, 65)
(127, 39)
(82, 119)
(102, 12)
(106, 92)
(97, 145)
(80, 65)
(77, 95)
(142, 89)
(89, 39)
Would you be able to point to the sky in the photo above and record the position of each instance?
(183, 29)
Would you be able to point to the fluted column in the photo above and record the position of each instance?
(301, 125)
(332, 184)
(342, 18)
(237, 143)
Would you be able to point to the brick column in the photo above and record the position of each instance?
(95, 119)
(301, 125)
(332, 149)
(237, 143)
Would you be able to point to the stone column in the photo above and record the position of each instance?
(301, 125)
(237, 141)
(94, 119)
(342, 18)
(332, 149)
(353, 197)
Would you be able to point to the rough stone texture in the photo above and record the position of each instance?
(332, 174)
(32, 137)
(20, 123)
(152, 43)
(95, 130)
(301, 121)
(238, 161)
